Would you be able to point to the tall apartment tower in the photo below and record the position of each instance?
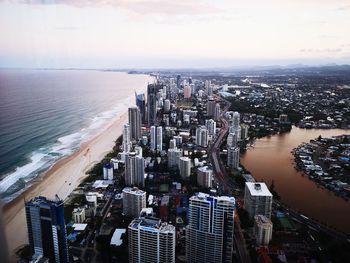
(134, 200)
(202, 136)
(257, 199)
(174, 155)
(211, 107)
(134, 170)
(159, 143)
(126, 138)
(233, 157)
(47, 229)
(141, 104)
(217, 111)
(135, 123)
(211, 126)
(185, 167)
(205, 176)
(152, 90)
(151, 241)
(210, 229)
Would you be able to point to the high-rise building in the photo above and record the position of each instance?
(79, 215)
(152, 90)
(134, 200)
(156, 138)
(126, 138)
(47, 229)
(167, 105)
(233, 157)
(153, 132)
(235, 120)
(108, 171)
(210, 229)
(257, 199)
(138, 151)
(217, 112)
(141, 104)
(231, 140)
(134, 170)
(172, 143)
(202, 136)
(135, 123)
(262, 230)
(205, 177)
(151, 241)
(178, 81)
(159, 138)
(211, 126)
(174, 155)
(187, 92)
(244, 131)
(211, 107)
(185, 167)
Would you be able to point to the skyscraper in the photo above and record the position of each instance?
(46, 229)
(205, 176)
(187, 92)
(126, 138)
(233, 157)
(135, 123)
(257, 199)
(141, 104)
(174, 155)
(217, 111)
(211, 126)
(159, 138)
(210, 229)
(231, 140)
(152, 90)
(153, 132)
(262, 230)
(151, 241)
(185, 167)
(211, 107)
(134, 170)
(202, 136)
(134, 200)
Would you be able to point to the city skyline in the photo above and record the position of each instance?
(168, 34)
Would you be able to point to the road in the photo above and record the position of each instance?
(226, 183)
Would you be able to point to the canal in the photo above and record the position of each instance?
(271, 159)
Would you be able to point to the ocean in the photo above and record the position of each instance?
(46, 115)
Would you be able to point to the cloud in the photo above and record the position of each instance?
(67, 28)
(343, 8)
(143, 7)
(325, 50)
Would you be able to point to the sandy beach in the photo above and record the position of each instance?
(61, 179)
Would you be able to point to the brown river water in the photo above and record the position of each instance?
(271, 159)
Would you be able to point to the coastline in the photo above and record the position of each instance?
(61, 179)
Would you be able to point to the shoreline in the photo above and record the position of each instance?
(61, 178)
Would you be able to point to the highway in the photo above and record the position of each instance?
(226, 184)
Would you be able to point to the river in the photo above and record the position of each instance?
(271, 159)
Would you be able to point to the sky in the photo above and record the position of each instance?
(172, 34)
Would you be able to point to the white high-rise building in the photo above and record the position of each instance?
(138, 151)
(211, 107)
(257, 199)
(233, 157)
(134, 200)
(231, 140)
(108, 171)
(174, 155)
(262, 230)
(202, 136)
(217, 111)
(244, 131)
(185, 167)
(151, 241)
(205, 176)
(209, 234)
(235, 120)
(167, 105)
(135, 123)
(211, 126)
(126, 138)
(153, 132)
(159, 139)
(134, 170)
(172, 143)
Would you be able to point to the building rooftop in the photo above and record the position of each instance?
(151, 224)
(207, 197)
(116, 239)
(133, 190)
(258, 189)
